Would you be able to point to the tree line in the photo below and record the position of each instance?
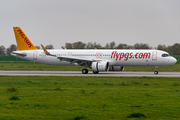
(173, 49)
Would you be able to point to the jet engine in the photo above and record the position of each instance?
(100, 66)
(116, 68)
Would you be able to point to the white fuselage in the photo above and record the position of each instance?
(114, 57)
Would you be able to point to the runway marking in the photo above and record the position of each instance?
(78, 73)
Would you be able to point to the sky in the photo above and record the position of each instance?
(58, 22)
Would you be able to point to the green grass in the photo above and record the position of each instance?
(89, 98)
(178, 58)
(36, 66)
(10, 58)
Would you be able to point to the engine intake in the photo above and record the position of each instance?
(100, 66)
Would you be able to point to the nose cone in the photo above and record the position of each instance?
(173, 60)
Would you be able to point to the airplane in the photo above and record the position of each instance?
(96, 59)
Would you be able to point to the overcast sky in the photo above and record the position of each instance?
(103, 21)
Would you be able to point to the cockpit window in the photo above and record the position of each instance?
(165, 55)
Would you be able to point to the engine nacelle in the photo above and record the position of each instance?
(100, 66)
(116, 68)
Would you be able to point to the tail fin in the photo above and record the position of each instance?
(23, 42)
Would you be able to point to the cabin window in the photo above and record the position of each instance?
(165, 55)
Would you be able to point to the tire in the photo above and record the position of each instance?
(95, 72)
(84, 71)
(155, 72)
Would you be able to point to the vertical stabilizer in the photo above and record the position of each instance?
(23, 42)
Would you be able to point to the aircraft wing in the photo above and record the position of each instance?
(78, 60)
(63, 58)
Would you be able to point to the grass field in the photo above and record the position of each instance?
(89, 98)
(10, 58)
(177, 58)
(42, 67)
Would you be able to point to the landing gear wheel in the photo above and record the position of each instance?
(84, 71)
(95, 72)
(155, 68)
(155, 72)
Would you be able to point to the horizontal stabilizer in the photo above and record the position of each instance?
(19, 53)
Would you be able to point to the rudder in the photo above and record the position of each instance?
(23, 42)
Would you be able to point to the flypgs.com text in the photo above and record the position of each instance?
(126, 56)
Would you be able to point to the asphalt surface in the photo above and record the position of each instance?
(78, 73)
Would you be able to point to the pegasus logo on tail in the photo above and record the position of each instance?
(26, 40)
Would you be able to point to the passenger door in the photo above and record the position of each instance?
(154, 55)
(35, 53)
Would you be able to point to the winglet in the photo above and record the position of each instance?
(23, 42)
(45, 51)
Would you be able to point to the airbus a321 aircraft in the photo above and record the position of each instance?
(97, 60)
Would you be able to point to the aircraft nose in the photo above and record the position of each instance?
(173, 61)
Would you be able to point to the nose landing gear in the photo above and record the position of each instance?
(155, 72)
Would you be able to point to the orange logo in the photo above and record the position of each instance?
(25, 38)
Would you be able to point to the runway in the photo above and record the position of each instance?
(78, 73)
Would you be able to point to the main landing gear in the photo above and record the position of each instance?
(155, 72)
(85, 71)
(95, 72)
